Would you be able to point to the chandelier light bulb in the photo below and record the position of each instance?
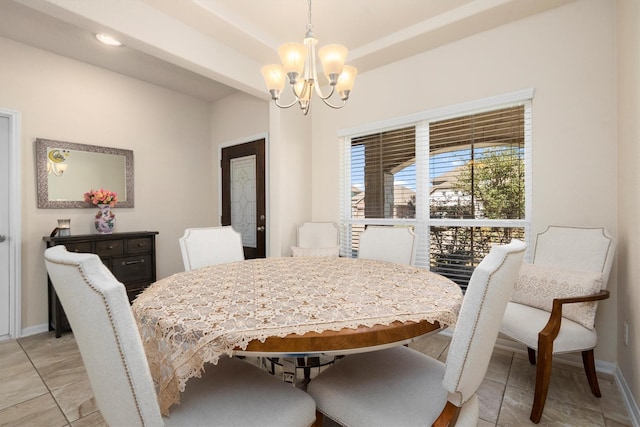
(346, 81)
(274, 77)
(332, 57)
(293, 56)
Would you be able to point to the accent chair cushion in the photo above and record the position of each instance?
(332, 251)
(523, 322)
(537, 286)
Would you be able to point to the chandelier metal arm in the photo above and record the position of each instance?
(285, 106)
(336, 107)
(299, 97)
(321, 96)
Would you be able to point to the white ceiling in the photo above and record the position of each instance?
(211, 48)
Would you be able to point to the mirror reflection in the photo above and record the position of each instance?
(67, 170)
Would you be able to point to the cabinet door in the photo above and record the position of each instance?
(79, 247)
(109, 248)
(140, 245)
(132, 269)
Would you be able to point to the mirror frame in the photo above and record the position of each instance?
(41, 173)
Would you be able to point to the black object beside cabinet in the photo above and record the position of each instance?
(131, 257)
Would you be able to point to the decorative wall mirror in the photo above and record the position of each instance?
(66, 170)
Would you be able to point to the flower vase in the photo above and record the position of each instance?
(105, 220)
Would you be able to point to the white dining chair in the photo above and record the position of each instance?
(388, 243)
(231, 393)
(403, 387)
(201, 247)
(553, 307)
(317, 239)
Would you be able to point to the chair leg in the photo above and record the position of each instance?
(532, 355)
(590, 369)
(543, 377)
(319, 419)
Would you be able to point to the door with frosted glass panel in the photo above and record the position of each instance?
(243, 195)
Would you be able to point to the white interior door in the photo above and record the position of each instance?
(5, 303)
(10, 236)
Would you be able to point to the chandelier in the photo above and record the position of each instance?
(299, 65)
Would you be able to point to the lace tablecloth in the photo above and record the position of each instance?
(195, 317)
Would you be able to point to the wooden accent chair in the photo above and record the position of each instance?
(232, 392)
(553, 306)
(401, 387)
(319, 239)
(387, 243)
(201, 247)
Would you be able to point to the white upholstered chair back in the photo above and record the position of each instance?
(99, 313)
(317, 239)
(387, 243)
(318, 235)
(576, 248)
(209, 246)
(479, 320)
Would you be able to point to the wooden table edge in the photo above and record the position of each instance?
(344, 339)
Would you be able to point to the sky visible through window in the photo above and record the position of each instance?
(439, 165)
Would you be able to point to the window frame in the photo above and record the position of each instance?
(422, 221)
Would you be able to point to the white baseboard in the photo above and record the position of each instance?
(627, 397)
(32, 330)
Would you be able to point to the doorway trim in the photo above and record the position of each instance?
(239, 141)
(15, 235)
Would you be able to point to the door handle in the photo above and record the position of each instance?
(260, 228)
(3, 238)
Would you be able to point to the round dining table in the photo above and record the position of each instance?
(287, 307)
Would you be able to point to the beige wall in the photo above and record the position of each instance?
(290, 195)
(567, 56)
(66, 100)
(628, 16)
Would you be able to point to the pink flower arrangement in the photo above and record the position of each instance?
(101, 197)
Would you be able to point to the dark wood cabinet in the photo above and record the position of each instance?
(131, 257)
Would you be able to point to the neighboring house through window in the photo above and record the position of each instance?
(459, 176)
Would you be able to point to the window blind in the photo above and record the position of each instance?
(477, 172)
(383, 168)
(462, 182)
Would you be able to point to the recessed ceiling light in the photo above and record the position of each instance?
(106, 39)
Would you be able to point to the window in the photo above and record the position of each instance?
(459, 180)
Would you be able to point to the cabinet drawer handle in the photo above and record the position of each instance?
(140, 245)
(110, 247)
(139, 261)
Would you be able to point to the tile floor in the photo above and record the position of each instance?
(43, 383)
